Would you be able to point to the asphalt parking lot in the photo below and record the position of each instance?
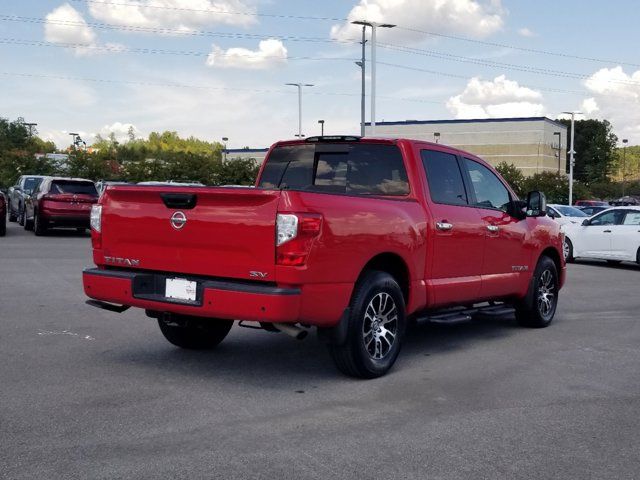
(92, 394)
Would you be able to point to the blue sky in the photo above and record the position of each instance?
(86, 66)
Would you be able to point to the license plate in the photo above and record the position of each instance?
(180, 289)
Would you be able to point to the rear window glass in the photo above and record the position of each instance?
(77, 188)
(444, 177)
(31, 183)
(361, 169)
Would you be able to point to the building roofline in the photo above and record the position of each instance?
(471, 120)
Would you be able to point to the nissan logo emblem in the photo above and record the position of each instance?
(178, 220)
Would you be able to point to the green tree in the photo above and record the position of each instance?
(514, 177)
(595, 146)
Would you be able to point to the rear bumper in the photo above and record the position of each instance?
(66, 219)
(232, 300)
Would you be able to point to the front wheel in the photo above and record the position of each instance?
(194, 333)
(22, 215)
(375, 329)
(12, 216)
(567, 250)
(539, 307)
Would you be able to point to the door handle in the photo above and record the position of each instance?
(493, 228)
(606, 231)
(444, 226)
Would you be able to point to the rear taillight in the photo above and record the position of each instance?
(96, 226)
(295, 234)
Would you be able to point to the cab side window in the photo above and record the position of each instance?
(490, 191)
(444, 178)
(613, 217)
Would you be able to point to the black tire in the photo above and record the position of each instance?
(22, 215)
(638, 257)
(12, 216)
(368, 352)
(3, 225)
(28, 224)
(194, 333)
(39, 225)
(539, 307)
(567, 250)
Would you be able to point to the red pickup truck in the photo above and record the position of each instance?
(355, 236)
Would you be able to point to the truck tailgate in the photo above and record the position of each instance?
(217, 232)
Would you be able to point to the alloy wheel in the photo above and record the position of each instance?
(546, 294)
(380, 326)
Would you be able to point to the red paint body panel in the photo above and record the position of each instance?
(230, 234)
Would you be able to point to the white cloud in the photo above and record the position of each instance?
(65, 25)
(525, 32)
(616, 97)
(184, 15)
(499, 97)
(270, 53)
(119, 130)
(475, 18)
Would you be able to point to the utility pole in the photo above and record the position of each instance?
(30, 126)
(300, 85)
(225, 140)
(624, 165)
(572, 153)
(374, 26)
(559, 134)
(321, 122)
(362, 65)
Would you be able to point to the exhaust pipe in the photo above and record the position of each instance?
(292, 330)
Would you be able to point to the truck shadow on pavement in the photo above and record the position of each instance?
(274, 361)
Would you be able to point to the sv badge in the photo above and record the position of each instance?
(256, 274)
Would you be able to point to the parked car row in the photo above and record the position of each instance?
(612, 235)
(40, 203)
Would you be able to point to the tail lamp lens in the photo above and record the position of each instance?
(296, 233)
(96, 218)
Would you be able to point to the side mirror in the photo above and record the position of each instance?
(586, 222)
(536, 204)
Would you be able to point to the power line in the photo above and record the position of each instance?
(500, 65)
(200, 87)
(170, 31)
(153, 51)
(211, 11)
(513, 47)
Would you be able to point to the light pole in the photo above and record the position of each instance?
(321, 122)
(374, 26)
(572, 153)
(559, 134)
(362, 65)
(300, 85)
(624, 165)
(436, 137)
(30, 126)
(225, 140)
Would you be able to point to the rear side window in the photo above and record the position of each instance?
(444, 177)
(76, 188)
(31, 183)
(632, 218)
(361, 169)
(490, 192)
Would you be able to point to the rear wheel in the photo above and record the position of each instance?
(39, 225)
(27, 224)
(539, 307)
(194, 333)
(3, 225)
(22, 215)
(567, 250)
(12, 216)
(376, 326)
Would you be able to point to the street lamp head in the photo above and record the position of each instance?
(387, 25)
(225, 139)
(320, 121)
(373, 24)
(625, 140)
